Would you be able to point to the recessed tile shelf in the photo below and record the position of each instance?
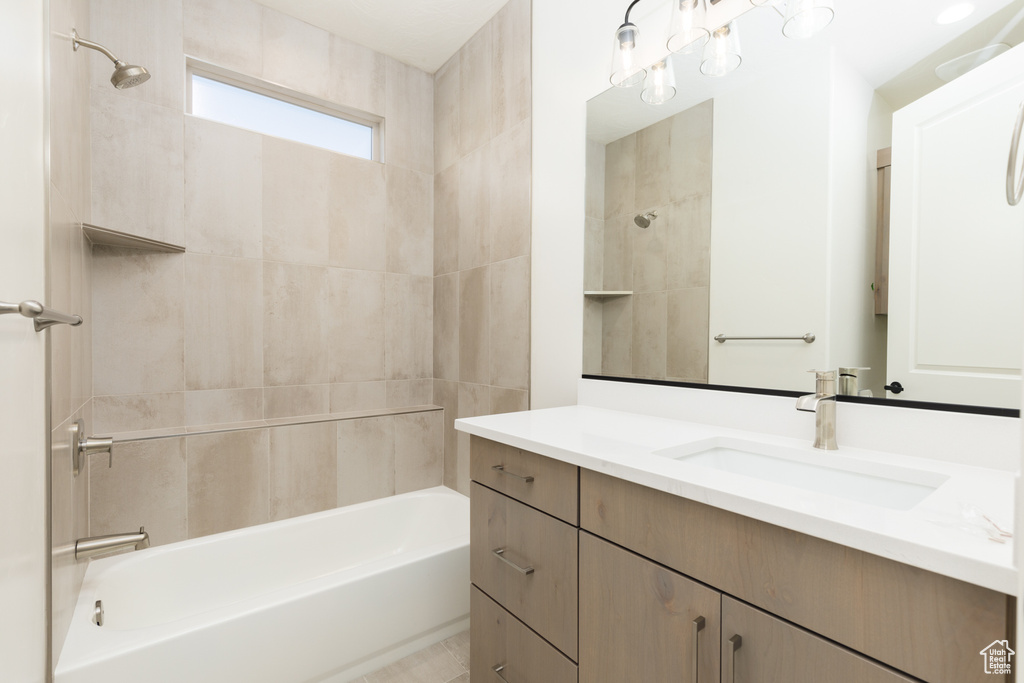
(115, 238)
(606, 294)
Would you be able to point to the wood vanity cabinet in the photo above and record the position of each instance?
(651, 587)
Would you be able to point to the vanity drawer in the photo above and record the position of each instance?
(540, 482)
(527, 561)
(501, 640)
(925, 624)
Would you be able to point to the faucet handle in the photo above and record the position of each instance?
(824, 374)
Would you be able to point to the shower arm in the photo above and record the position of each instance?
(77, 41)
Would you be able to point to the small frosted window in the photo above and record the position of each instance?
(261, 113)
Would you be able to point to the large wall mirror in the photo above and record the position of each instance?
(836, 201)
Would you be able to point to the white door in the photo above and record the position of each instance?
(956, 284)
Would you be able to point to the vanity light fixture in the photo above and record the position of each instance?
(625, 73)
(722, 54)
(688, 31)
(660, 86)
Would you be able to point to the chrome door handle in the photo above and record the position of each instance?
(500, 554)
(501, 468)
(497, 669)
(734, 644)
(1015, 187)
(698, 626)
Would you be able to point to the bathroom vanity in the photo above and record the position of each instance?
(594, 559)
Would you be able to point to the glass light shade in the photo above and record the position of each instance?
(766, 3)
(688, 32)
(625, 72)
(660, 86)
(722, 54)
(804, 18)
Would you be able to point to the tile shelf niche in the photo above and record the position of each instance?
(595, 294)
(114, 238)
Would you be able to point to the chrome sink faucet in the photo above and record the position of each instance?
(823, 404)
(103, 545)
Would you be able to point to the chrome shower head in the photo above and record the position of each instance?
(125, 75)
(644, 220)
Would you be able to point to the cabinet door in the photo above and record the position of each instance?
(758, 648)
(642, 622)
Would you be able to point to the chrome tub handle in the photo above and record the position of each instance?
(1015, 186)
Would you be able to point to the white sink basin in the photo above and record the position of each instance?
(887, 486)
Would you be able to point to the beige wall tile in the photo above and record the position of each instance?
(223, 406)
(446, 395)
(446, 326)
(69, 107)
(292, 401)
(146, 33)
(446, 220)
(508, 400)
(474, 400)
(446, 114)
(619, 176)
(81, 296)
(138, 168)
(295, 54)
(227, 481)
(409, 304)
(688, 335)
(650, 334)
(357, 213)
(145, 487)
(474, 197)
(474, 325)
(419, 451)
(511, 61)
(510, 219)
(410, 112)
(409, 392)
(595, 179)
(226, 33)
(223, 322)
(649, 247)
(295, 329)
(617, 337)
(113, 414)
(63, 339)
(357, 76)
(689, 243)
(64, 581)
(295, 202)
(691, 151)
(366, 459)
(509, 339)
(223, 189)
(618, 253)
(593, 254)
(138, 322)
(593, 314)
(410, 238)
(654, 178)
(475, 91)
(356, 325)
(353, 396)
(303, 469)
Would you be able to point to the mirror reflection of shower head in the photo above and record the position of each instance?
(644, 220)
(125, 75)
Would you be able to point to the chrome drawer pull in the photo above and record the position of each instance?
(734, 644)
(501, 468)
(698, 626)
(497, 669)
(500, 554)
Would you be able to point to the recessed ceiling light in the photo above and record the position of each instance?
(955, 13)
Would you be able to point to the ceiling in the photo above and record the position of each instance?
(421, 33)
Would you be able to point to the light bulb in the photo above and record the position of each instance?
(688, 32)
(624, 71)
(722, 54)
(660, 86)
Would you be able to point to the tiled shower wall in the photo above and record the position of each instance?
(661, 330)
(307, 283)
(482, 220)
(70, 272)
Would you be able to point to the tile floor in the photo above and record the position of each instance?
(444, 662)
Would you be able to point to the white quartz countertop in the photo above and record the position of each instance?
(945, 533)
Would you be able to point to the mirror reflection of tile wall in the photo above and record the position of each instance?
(660, 330)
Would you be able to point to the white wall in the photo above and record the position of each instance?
(23, 500)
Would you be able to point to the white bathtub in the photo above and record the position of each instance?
(324, 597)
